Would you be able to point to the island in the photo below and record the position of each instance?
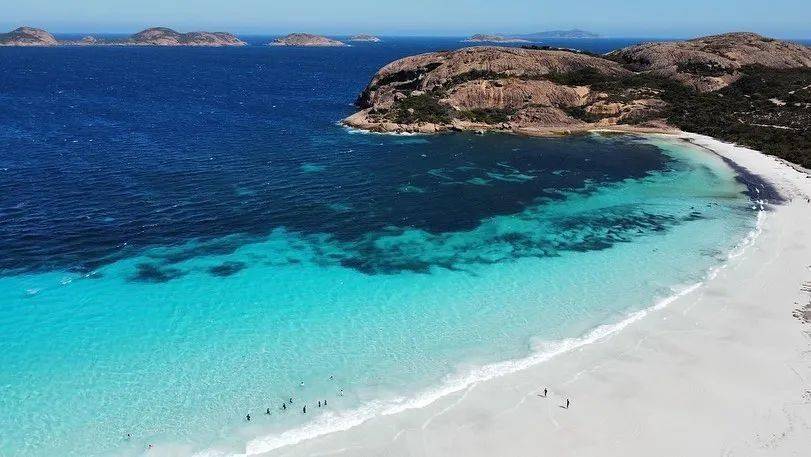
(739, 87)
(27, 36)
(573, 33)
(306, 39)
(162, 36)
(483, 38)
(156, 36)
(365, 38)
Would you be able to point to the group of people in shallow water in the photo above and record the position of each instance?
(321, 403)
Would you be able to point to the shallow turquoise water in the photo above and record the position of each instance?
(180, 358)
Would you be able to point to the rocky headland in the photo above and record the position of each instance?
(306, 39)
(156, 36)
(365, 38)
(739, 87)
(483, 38)
(27, 36)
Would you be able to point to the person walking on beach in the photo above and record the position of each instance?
(284, 405)
(291, 400)
(325, 403)
(319, 403)
(268, 412)
(248, 417)
(567, 403)
(544, 392)
(304, 410)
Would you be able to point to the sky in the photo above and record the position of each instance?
(617, 18)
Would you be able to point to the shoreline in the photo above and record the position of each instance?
(395, 433)
(361, 122)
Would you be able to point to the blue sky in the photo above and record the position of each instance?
(637, 18)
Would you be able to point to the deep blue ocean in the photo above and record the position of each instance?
(188, 236)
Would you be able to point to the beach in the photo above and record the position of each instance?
(722, 369)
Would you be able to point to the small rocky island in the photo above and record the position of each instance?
(27, 36)
(573, 33)
(306, 39)
(162, 36)
(365, 38)
(484, 38)
(156, 36)
(739, 86)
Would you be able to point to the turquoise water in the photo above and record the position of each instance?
(177, 354)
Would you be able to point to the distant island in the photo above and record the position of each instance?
(27, 36)
(162, 36)
(573, 33)
(483, 38)
(739, 87)
(156, 36)
(306, 39)
(366, 38)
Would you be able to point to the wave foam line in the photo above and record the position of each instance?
(332, 422)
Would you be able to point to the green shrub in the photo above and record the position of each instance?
(486, 116)
(421, 108)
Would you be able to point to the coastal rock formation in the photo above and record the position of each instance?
(483, 38)
(162, 36)
(306, 39)
(738, 87)
(366, 38)
(27, 36)
(481, 87)
(712, 62)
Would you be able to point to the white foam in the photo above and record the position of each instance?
(332, 422)
(357, 131)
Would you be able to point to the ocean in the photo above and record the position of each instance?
(189, 236)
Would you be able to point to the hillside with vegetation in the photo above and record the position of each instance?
(739, 87)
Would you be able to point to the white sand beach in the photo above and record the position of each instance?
(723, 370)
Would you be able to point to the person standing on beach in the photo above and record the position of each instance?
(544, 392)
(284, 405)
(248, 417)
(567, 403)
(304, 410)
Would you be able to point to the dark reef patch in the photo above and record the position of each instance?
(226, 269)
(151, 273)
